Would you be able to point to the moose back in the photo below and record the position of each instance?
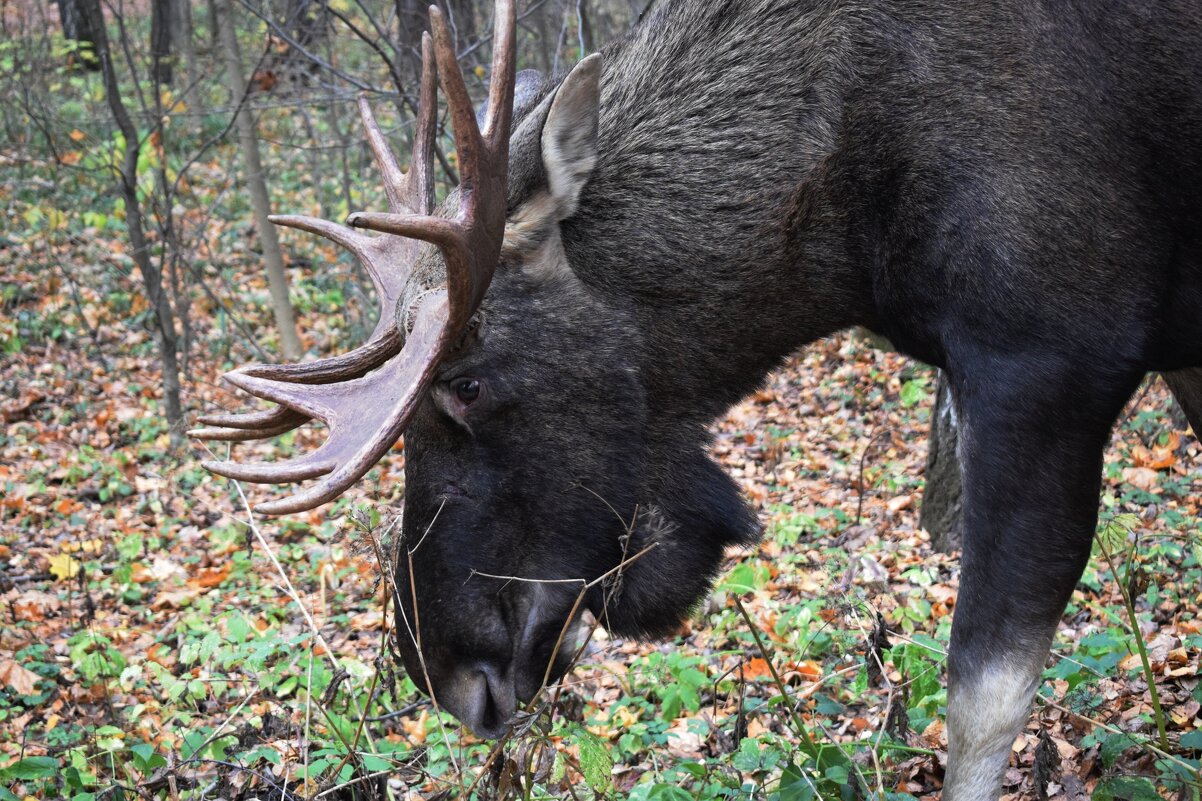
(1011, 191)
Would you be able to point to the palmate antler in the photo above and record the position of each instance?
(367, 396)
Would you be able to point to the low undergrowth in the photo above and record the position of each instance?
(163, 648)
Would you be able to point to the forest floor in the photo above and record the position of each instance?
(157, 643)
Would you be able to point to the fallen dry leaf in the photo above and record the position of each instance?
(21, 680)
(64, 566)
(1144, 478)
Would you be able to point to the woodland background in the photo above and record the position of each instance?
(156, 642)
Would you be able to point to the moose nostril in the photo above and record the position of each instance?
(482, 698)
(491, 718)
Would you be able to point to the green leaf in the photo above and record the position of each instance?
(671, 701)
(692, 677)
(145, 757)
(1192, 739)
(38, 767)
(1113, 746)
(1113, 533)
(193, 742)
(1126, 788)
(263, 752)
(913, 392)
(596, 763)
(375, 764)
(794, 785)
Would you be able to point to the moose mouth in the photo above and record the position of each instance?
(482, 699)
(487, 697)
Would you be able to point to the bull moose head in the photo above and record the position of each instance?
(534, 465)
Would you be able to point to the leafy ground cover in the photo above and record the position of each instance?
(156, 642)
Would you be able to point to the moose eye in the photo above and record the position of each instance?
(467, 390)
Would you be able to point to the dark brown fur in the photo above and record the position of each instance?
(1010, 191)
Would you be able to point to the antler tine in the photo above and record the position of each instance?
(251, 425)
(411, 192)
(471, 242)
(463, 116)
(500, 91)
(394, 179)
(385, 260)
(380, 402)
(349, 238)
(235, 434)
(367, 408)
(421, 170)
(484, 165)
(267, 418)
(311, 466)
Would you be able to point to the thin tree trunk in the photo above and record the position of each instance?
(152, 276)
(214, 25)
(183, 33)
(586, 28)
(942, 501)
(413, 19)
(463, 15)
(78, 26)
(277, 280)
(162, 26)
(544, 41)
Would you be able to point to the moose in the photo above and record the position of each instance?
(1011, 191)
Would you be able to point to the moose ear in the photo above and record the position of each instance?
(569, 139)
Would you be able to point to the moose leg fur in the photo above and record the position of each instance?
(1187, 389)
(1031, 446)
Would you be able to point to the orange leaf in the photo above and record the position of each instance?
(1143, 478)
(1163, 458)
(21, 680)
(756, 668)
(211, 576)
(829, 615)
(67, 505)
(810, 671)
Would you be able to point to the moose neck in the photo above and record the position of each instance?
(710, 213)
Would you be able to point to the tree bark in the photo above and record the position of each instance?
(277, 279)
(182, 33)
(942, 501)
(152, 276)
(162, 29)
(413, 19)
(78, 26)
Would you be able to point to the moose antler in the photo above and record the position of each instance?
(367, 396)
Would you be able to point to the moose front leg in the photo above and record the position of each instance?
(1032, 457)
